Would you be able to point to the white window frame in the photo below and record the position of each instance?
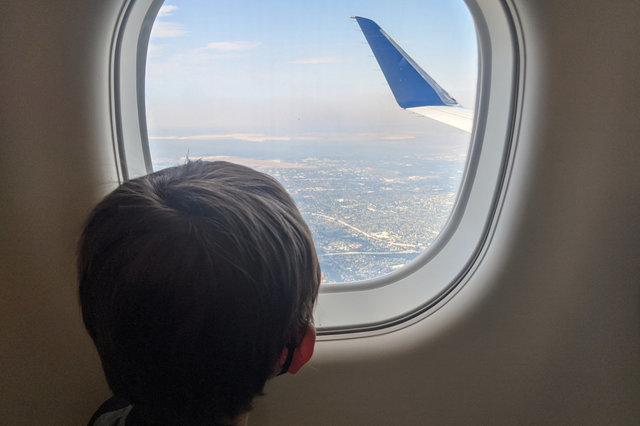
(374, 305)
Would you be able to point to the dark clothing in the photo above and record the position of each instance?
(113, 412)
(118, 412)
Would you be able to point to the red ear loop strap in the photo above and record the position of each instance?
(285, 367)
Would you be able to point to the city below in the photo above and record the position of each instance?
(369, 216)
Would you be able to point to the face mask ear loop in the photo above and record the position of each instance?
(285, 367)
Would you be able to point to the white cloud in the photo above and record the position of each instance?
(167, 10)
(275, 163)
(232, 46)
(153, 49)
(317, 60)
(249, 137)
(261, 137)
(397, 137)
(167, 30)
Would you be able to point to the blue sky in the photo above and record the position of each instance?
(263, 70)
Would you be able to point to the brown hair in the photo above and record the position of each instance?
(192, 281)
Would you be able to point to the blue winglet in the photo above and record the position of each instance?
(410, 84)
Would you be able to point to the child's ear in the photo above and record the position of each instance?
(304, 351)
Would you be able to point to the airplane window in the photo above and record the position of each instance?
(367, 122)
(394, 131)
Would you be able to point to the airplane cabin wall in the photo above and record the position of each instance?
(55, 163)
(545, 331)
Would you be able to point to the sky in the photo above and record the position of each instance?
(256, 70)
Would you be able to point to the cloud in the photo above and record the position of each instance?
(232, 46)
(153, 49)
(377, 136)
(397, 137)
(167, 30)
(167, 10)
(256, 163)
(262, 137)
(249, 137)
(317, 60)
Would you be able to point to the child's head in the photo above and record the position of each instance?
(193, 280)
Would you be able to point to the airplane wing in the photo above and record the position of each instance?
(412, 87)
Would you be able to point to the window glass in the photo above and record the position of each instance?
(292, 89)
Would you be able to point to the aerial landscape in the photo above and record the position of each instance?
(369, 216)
